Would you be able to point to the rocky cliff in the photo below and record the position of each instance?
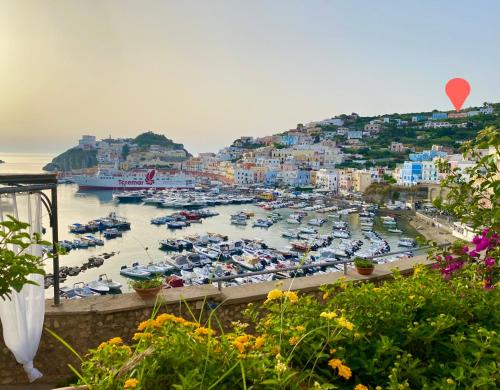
(73, 159)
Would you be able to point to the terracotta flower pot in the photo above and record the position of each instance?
(365, 271)
(148, 293)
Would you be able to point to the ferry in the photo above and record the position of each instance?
(133, 180)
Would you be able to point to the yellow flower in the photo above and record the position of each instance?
(115, 340)
(243, 339)
(360, 387)
(417, 269)
(139, 336)
(333, 350)
(345, 372)
(259, 342)
(376, 289)
(292, 296)
(294, 340)
(300, 328)
(343, 286)
(274, 294)
(335, 363)
(145, 324)
(102, 345)
(328, 315)
(378, 388)
(344, 323)
(131, 383)
(203, 331)
(357, 335)
(326, 295)
(239, 346)
(450, 381)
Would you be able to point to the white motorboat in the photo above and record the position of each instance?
(112, 285)
(134, 273)
(340, 234)
(98, 286)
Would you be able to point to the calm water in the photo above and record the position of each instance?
(141, 242)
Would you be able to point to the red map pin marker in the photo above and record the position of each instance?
(457, 90)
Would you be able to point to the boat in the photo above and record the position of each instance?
(133, 180)
(177, 224)
(171, 245)
(399, 231)
(83, 291)
(290, 234)
(293, 220)
(98, 287)
(407, 242)
(134, 273)
(307, 230)
(249, 262)
(300, 246)
(341, 234)
(129, 197)
(316, 222)
(262, 223)
(112, 233)
(112, 285)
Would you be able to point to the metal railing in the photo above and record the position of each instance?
(343, 263)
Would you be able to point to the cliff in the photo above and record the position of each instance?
(73, 159)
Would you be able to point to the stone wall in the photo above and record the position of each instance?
(85, 323)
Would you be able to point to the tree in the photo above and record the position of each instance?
(125, 151)
(474, 193)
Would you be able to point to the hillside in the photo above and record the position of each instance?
(73, 159)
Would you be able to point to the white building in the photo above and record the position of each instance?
(488, 110)
(87, 142)
(327, 179)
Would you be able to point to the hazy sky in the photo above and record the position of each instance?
(206, 72)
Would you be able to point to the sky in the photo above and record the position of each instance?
(207, 72)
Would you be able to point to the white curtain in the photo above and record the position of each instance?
(22, 316)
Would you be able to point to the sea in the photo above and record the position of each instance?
(141, 243)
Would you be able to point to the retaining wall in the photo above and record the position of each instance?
(86, 322)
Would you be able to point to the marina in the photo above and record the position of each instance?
(250, 235)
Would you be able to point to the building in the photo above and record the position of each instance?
(456, 115)
(439, 115)
(342, 130)
(488, 110)
(436, 125)
(87, 142)
(427, 155)
(373, 127)
(429, 172)
(397, 147)
(411, 173)
(331, 122)
(327, 179)
(418, 118)
(354, 134)
(361, 180)
(473, 113)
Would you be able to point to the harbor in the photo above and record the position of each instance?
(241, 232)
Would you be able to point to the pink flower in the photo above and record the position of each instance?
(489, 262)
(482, 244)
(474, 254)
(465, 249)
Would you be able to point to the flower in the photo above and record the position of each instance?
(300, 328)
(274, 294)
(145, 324)
(335, 363)
(115, 340)
(102, 345)
(489, 262)
(326, 295)
(333, 350)
(328, 315)
(140, 336)
(203, 331)
(345, 372)
(360, 387)
(450, 381)
(259, 342)
(292, 296)
(239, 346)
(131, 383)
(344, 323)
(294, 340)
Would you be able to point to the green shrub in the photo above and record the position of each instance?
(363, 263)
(417, 332)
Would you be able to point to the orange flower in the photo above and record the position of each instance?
(335, 363)
(131, 383)
(292, 296)
(345, 372)
(360, 387)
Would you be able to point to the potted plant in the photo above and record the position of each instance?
(148, 289)
(364, 266)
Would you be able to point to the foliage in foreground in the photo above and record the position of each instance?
(16, 264)
(418, 332)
